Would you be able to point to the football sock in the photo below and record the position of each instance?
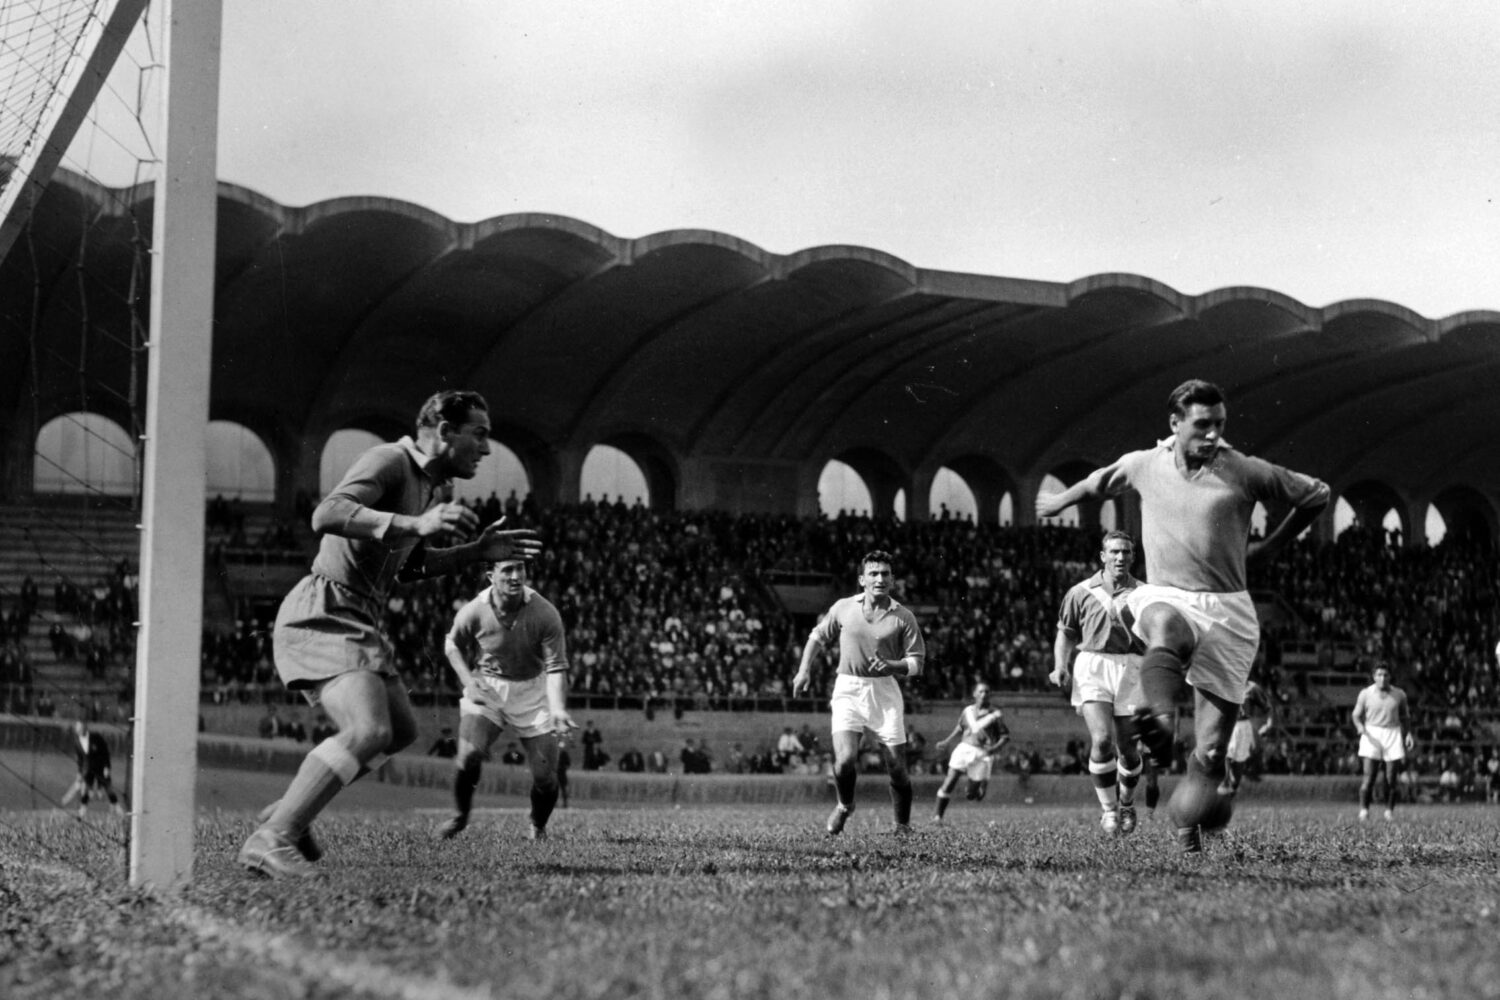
(942, 804)
(1104, 774)
(1128, 780)
(326, 769)
(465, 782)
(1163, 675)
(843, 782)
(543, 800)
(901, 797)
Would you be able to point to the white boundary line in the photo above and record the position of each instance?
(282, 951)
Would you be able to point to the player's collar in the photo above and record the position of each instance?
(420, 458)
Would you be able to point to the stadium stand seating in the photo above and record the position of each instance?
(692, 612)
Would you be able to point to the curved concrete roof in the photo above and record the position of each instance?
(349, 312)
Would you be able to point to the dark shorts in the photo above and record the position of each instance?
(323, 630)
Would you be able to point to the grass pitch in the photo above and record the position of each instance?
(1295, 901)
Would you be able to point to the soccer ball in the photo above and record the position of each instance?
(1197, 802)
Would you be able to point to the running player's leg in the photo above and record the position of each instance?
(845, 774)
(1129, 771)
(1392, 779)
(895, 762)
(1169, 645)
(945, 792)
(1153, 784)
(476, 734)
(1367, 785)
(541, 754)
(359, 705)
(1196, 802)
(1098, 716)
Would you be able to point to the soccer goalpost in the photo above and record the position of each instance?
(184, 234)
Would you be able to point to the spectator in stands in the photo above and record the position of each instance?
(294, 729)
(593, 755)
(383, 522)
(322, 729)
(656, 762)
(789, 749)
(513, 755)
(694, 759)
(271, 725)
(632, 761)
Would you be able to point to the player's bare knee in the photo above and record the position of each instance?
(469, 756)
(366, 739)
(1104, 748)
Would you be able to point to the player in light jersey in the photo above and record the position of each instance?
(1197, 495)
(1098, 657)
(878, 640)
(1255, 720)
(981, 734)
(1383, 722)
(508, 649)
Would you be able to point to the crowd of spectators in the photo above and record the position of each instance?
(676, 609)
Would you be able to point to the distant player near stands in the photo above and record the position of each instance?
(1383, 721)
(383, 523)
(981, 734)
(1097, 655)
(1256, 718)
(507, 647)
(1197, 496)
(878, 640)
(91, 753)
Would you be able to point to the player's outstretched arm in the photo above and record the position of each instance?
(1092, 485)
(494, 544)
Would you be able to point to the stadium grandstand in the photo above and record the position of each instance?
(731, 380)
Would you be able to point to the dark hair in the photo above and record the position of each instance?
(1194, 391)
(452, 405)
(876, 556)
(1114, 534)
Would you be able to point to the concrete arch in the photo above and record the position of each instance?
(1469, 515)
(1370, 501)
(656, 462)
(988, 480)
(883, 476)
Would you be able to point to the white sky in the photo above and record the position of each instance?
(1326, 150)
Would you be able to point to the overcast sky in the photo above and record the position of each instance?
(1326, 150)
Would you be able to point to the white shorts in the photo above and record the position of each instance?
(1226, 631)
(1241, 741)
(971, 760)
(873, 703)
(522, 705)
(1109, 677)
(1382, 743)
